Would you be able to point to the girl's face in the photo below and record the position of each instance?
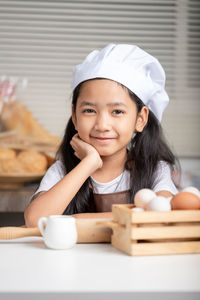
(106, 117)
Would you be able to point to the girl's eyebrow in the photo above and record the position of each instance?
(117, 104)
(86, 103)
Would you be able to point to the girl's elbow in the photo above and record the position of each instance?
(30, 221)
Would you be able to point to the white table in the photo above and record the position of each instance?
(28, 270)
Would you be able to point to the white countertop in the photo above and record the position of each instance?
(26, 265)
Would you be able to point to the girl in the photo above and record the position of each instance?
(113, 144)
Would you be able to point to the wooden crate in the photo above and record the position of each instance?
(155, 232)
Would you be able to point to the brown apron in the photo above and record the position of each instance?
(103, 202)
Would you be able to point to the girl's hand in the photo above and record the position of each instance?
(83, 149)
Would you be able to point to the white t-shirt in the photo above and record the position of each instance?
(122, 183)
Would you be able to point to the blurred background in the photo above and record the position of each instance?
(41, 41)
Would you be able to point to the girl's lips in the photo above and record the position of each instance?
(107, 139)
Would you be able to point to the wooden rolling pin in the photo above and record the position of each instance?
(89, 231)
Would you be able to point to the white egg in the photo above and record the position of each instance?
(159, 203)
(137, 209)
(143, 196)
(192, 189)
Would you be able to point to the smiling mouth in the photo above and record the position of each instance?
(99, 139)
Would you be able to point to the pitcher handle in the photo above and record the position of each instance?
(41, 223)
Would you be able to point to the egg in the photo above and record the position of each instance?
(137, 209)
(192, 189)
(185, 200)
(159, 203)
(143, 196)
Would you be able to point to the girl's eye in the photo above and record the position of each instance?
(118, 112)
(88, 110)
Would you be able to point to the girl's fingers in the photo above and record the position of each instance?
(74, 148)
(76, 136)
(75, 139)
(76, 154)
(76, 144)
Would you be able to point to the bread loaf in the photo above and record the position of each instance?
(27, 161)
(7, 153)
(16, 116)
(32, 161)
(10, 166)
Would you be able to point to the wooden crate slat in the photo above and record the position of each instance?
(120, 212)
(165, 232)
(165, 248)
(162, 216)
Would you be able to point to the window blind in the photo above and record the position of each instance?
(43, 40)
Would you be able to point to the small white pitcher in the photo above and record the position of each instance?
(60, 231)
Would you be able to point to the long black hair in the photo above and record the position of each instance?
(145, 151)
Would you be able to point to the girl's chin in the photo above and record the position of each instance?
(111, 152)
(103, 153)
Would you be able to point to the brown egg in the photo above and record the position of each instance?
(185, 200)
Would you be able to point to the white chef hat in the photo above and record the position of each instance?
(131, 66)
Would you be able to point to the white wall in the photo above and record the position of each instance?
(43, 40)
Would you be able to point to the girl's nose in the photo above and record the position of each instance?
(102, 123)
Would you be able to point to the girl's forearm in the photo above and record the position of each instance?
(93, 215)
(55, 200)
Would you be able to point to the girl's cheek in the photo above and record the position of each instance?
(82, 134)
